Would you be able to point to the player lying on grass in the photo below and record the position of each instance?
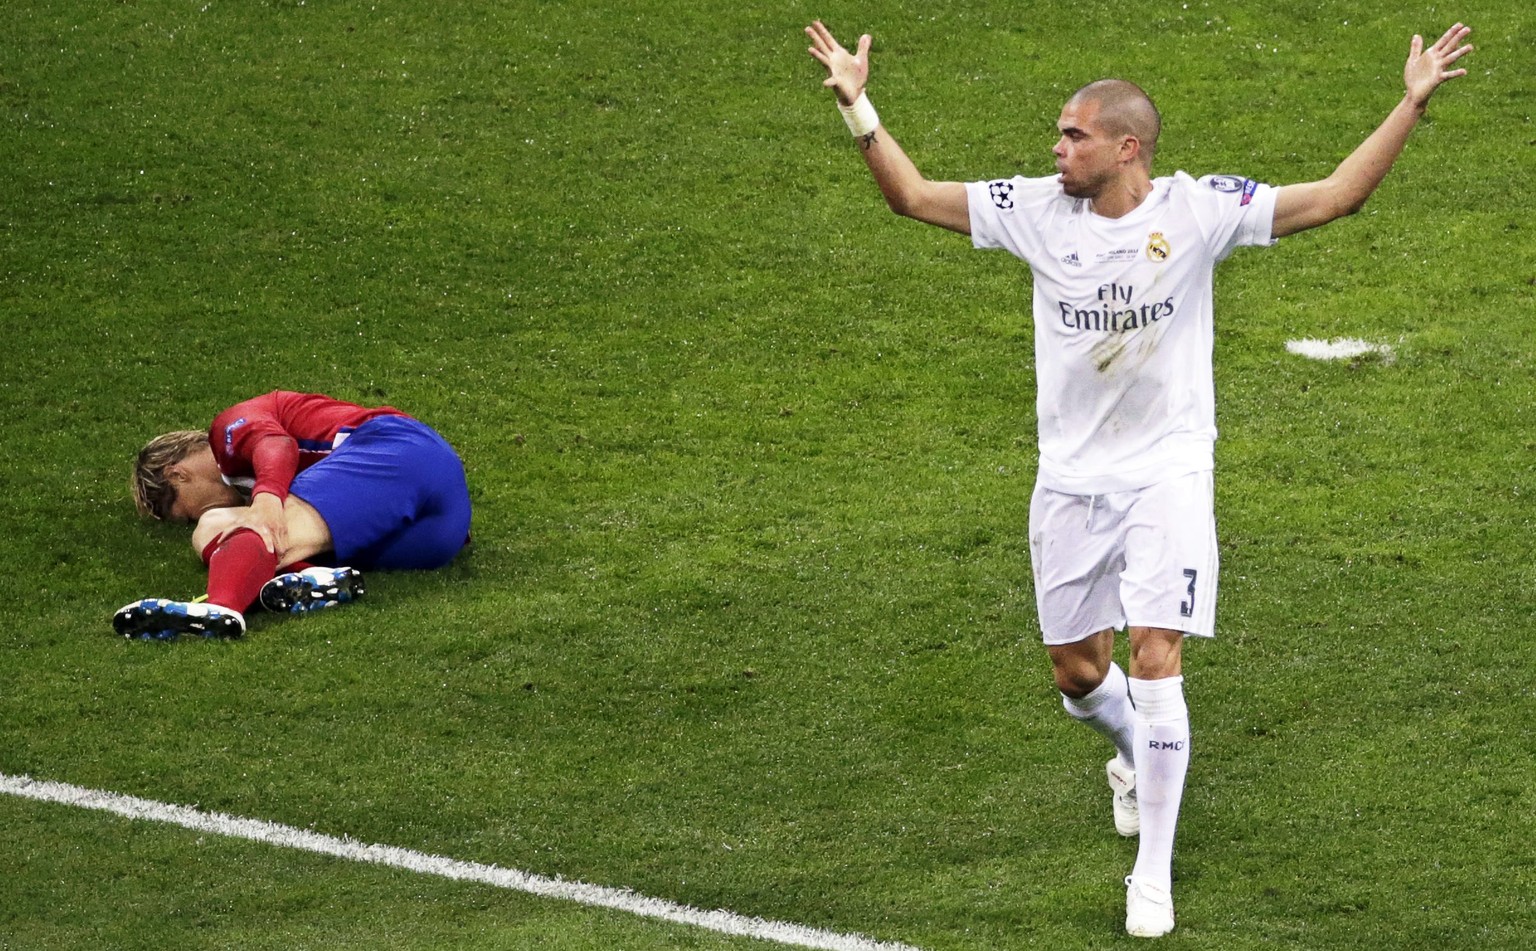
(1122, 532)
(296, 482)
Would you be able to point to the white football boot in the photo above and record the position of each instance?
(1148, 910)
(1122, 782)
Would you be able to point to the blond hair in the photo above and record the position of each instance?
(153, 493)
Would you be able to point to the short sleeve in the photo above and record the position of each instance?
(1234, 212)
(1008, 213)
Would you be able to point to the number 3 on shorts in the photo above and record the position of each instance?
(1187, 608)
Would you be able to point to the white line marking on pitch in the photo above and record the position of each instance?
(1343, 348)
(724, 922)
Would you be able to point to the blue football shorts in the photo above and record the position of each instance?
(393, 495)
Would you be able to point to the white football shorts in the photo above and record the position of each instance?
(1142, 558)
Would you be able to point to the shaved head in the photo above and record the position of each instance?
(1124, 109)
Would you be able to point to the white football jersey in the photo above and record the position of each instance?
(1123, 319)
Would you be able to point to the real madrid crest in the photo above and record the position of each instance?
(1158, 247)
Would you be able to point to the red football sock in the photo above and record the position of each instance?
(237, 568)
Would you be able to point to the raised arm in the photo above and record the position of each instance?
(1307, 205)
(905, 189)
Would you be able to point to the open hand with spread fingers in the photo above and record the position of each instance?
(847, 73)
(1428, 68)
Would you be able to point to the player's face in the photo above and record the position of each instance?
(193, 500)
(197, 492)
(1087, 157)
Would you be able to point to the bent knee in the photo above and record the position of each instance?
(1079, 667)
(1077, 682)
(213, 525)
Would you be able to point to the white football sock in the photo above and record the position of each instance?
(1162, 759)
(1107, 709)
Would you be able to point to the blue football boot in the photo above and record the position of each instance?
(312, 589)
(156, 619)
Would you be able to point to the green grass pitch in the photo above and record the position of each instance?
(747, 622)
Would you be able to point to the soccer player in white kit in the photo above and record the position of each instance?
(1122, 527)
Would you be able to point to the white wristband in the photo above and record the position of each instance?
(860, 116)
